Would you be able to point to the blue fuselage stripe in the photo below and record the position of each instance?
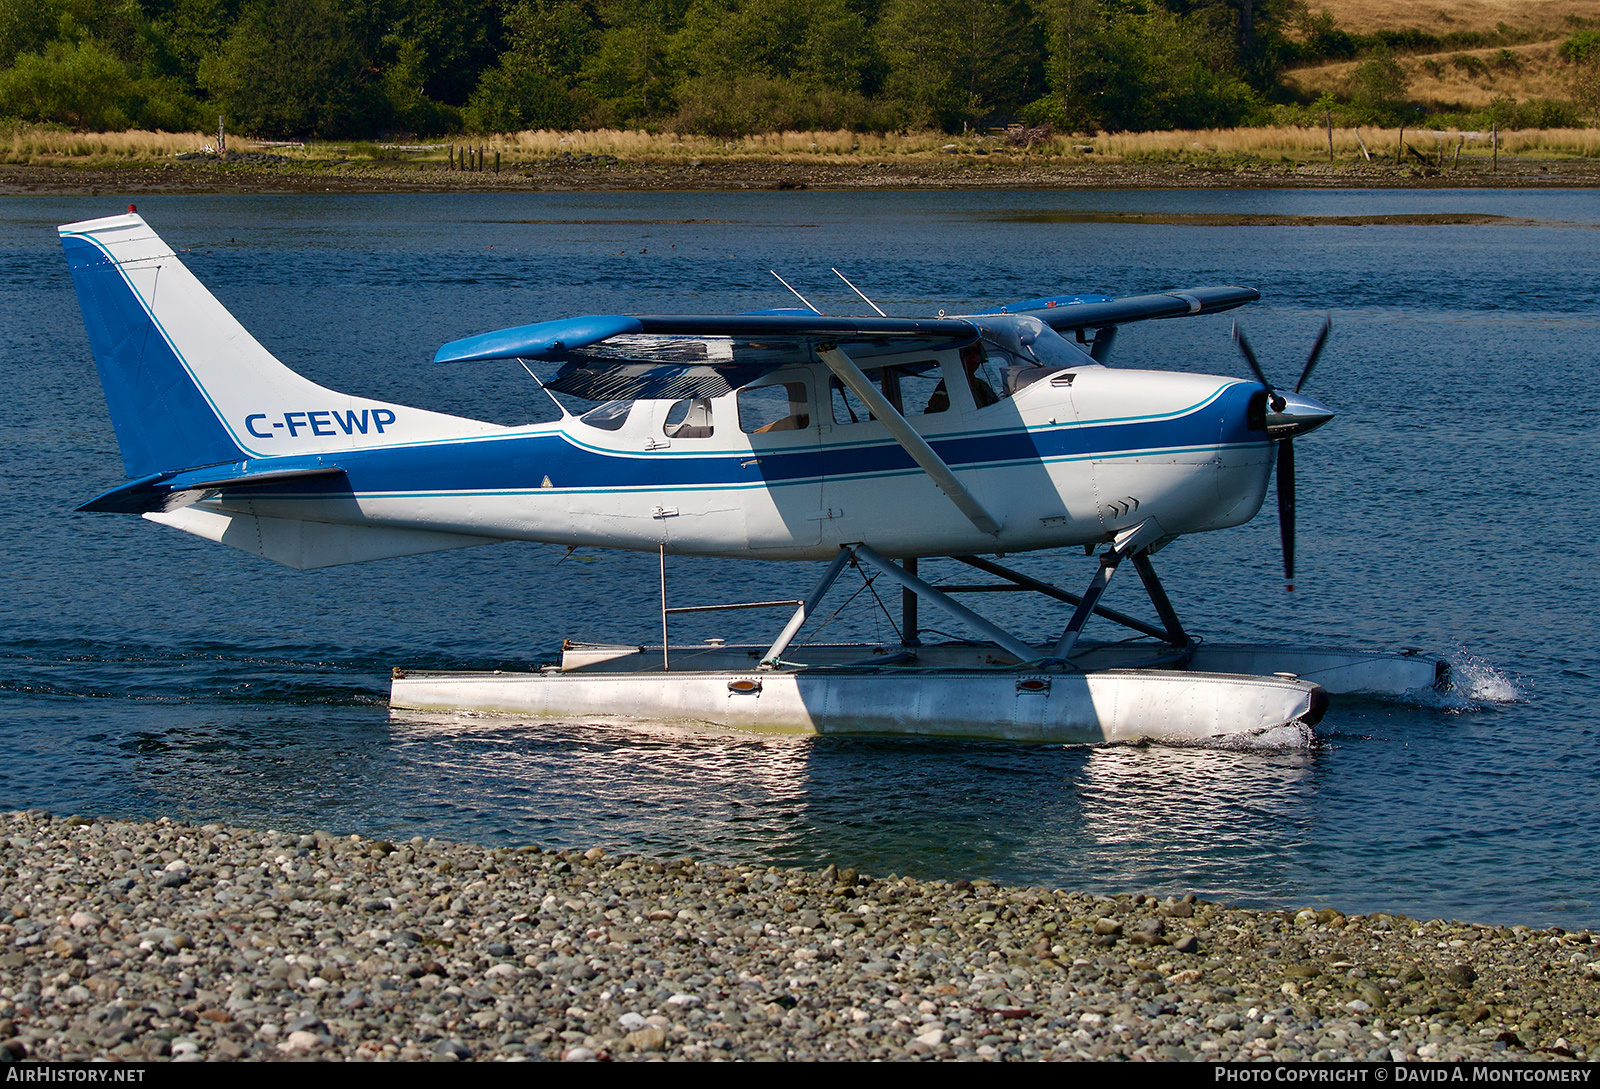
(525, 462)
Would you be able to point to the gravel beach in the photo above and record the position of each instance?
(126, 940)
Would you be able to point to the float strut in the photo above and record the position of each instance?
(807, 607)
(910, 633)
(1085, 609)
(1007, 642)
(1158, 597)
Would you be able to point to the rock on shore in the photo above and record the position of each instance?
(138, 941)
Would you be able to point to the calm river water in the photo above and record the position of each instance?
(1452, 505)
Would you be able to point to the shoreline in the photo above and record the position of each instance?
(148, 940)
(598, 175)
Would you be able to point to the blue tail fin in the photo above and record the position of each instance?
(162, 418)
(189, 387)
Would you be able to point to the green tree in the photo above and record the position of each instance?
(533, 85)
(1123, 65)
(1378, 88)
(454, 42)
(294, 68)
(630, 74)
(955, 62)
(1582, 51)
(816, 44)
(82, 85)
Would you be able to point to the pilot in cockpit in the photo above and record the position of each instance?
(983, 394)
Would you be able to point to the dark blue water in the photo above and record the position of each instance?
(1452, 506)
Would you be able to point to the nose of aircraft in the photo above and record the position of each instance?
(1293, 414)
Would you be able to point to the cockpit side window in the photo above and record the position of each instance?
(914, 389)
(782, 406)
(983, 375)
(688, 419)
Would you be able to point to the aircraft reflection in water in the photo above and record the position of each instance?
(1025, 814)
(780, 435)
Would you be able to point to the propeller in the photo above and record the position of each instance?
(1286, 416)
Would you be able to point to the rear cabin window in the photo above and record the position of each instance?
(782, 406)
(688, 419)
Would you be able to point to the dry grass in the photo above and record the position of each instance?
(1443, 16)
(1292, 142)
(649, 146)
(1546, 142)
(1266, 142)
(1541, 75)
(27, 144)
(1312, 143)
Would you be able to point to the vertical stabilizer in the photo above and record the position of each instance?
(188, 386)
(162, 418)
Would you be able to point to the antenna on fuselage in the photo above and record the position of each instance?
(559, 406)
(858, 291)
(796, 294)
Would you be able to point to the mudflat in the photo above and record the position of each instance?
(602, 173)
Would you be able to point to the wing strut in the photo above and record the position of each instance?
(915, 445)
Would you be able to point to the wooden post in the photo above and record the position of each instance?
(222, 136)
(1365, 154)
(1456, 162)
(452, 156)
(1494, 136)
(1400, 147)
(1327, 115)
(497, 162)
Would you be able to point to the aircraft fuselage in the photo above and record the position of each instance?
(1073, 458)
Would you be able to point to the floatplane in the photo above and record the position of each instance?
(868, 443)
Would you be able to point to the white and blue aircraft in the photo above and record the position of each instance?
(780, 435)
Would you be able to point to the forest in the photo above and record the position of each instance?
(291, 69)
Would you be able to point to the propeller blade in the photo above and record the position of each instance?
(1250, 357)
(1316, 351)
(1286, 506)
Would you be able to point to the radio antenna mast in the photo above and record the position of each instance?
(858, 291)
(797, 294)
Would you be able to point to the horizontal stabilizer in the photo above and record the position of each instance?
(305, 546)
(169, 491)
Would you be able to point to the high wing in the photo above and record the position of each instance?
(613, 356)
(1076, 312)
(607, 356)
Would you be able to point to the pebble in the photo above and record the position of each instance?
(308, 945)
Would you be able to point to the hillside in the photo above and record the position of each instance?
(1443, 16)
(1463, 79)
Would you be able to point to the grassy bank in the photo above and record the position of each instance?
(30, 146)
